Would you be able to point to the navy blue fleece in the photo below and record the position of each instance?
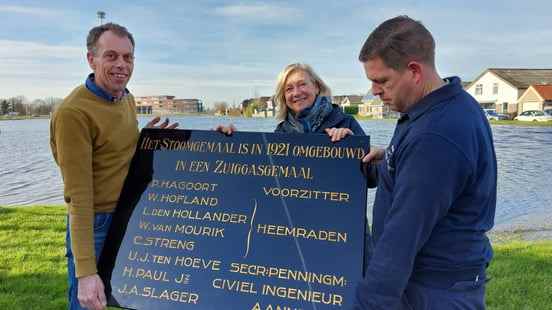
(435, 200)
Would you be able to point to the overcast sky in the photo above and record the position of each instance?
(232, 50)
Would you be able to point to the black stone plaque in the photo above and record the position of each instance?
(249, 221)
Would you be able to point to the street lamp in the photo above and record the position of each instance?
(101, 16)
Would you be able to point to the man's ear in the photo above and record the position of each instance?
(90, 58)
(417, 71)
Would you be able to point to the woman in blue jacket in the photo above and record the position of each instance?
(305, 106)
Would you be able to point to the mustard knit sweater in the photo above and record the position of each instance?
(93, 141)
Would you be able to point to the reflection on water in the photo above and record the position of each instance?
(28, 174)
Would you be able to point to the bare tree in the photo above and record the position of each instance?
(53, 103)
(18, 105)
(4, 107)
(221, 107)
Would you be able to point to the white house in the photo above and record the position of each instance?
(501, 88)
(347, 100)
(373, 107)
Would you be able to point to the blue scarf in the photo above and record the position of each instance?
(310, 119)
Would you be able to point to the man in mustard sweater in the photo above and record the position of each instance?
(93, 136)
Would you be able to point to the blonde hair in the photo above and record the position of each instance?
(280, 97)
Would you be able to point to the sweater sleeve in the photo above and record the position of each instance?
(431, 172)
(72, 148)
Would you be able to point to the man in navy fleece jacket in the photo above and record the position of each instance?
(436, 181)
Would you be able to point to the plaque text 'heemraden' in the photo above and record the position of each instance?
(196, 241)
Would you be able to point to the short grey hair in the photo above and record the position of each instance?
(397, 41)
(280, 96)
(96, 32)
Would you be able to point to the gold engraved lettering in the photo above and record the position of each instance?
(164, 243)
(188, 200)
(135, 256)
(287, 274)
(146, 257)
(161, 227)
(299, 193)
(258, 306)
(197, 263)
(183, 185)
(198, 146)
(277, 149)
(234, 285)
(127, 271)
(301, 232)
(161, 259)
(249, 149)
(216, 232)
(156, 212)
(262, 170)
(222, 217)
(146, 274)
(199, 166)
(155, 293)
(150, 144)
(332, 152)
(302, 295)
(183, 279)
(180, 165)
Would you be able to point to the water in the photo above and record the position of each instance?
(28, 174)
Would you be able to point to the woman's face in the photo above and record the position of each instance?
(300, 91)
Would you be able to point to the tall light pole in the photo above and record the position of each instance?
(101, 16)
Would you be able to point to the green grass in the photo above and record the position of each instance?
(521, 276)
(520, 123)
(33, 265)
(369, 118)
(32, 259)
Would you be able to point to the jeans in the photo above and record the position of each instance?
(102, 221)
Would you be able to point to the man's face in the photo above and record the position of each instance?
(112, 63)
(395, 88)
(300, 91)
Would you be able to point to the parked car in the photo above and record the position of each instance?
(534, 116)
(492, 115)
(548, 112)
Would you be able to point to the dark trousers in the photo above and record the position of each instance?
(463, 295)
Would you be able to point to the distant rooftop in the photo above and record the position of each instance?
(523, 78)
(545, 91)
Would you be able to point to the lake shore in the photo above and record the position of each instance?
(492, 122)
(358, 117)
(33, 265)
(20, 118)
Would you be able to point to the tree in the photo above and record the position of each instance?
(235, 110)
(256, 105)
(221, 107)
(4, 107)
(53, 101)
(18, 104)
(352, 109)
(45, 106)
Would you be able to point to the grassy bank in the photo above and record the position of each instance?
(493, 122)
(32, 265)
(520, 123)
(369, 118)
(21, 117)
